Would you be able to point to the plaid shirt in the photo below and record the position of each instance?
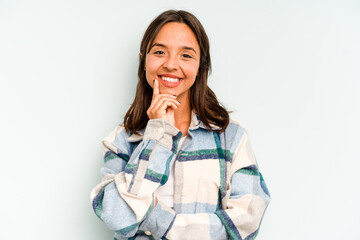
(219, 192)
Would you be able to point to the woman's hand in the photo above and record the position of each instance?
(162, 105)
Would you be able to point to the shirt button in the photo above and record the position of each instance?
(148, 233)
(160, 130)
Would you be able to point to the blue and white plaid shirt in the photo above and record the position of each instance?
(219, 192)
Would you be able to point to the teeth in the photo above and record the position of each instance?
(170, 79)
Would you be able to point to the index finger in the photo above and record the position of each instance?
(156, 87)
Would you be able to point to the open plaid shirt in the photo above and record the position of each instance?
(219, 192)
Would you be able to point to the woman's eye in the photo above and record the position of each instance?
(159, 52)
(186, 56)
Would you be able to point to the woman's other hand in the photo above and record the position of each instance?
(162, 105)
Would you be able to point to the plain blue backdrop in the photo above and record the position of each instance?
(288, 69)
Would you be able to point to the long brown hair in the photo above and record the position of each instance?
(202, 99)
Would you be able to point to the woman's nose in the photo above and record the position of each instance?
(171, 63)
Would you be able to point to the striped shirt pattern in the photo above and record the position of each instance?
(219, 192)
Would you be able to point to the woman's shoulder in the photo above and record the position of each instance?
(234, 134)
(116, 138)
(235, 125)
(118, 130)
(119, 136)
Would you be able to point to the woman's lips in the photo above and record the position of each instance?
(169, 84)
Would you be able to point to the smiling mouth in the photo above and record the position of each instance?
(169, 79)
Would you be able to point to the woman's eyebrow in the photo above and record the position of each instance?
(189, 48)
(164, 46)
(157, 45)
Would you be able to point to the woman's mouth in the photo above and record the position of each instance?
(170, 82)
(169, 79)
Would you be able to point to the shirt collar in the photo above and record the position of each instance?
(197, 123)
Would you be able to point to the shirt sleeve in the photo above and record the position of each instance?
(243, 206)
(125, 196)
(243, 210)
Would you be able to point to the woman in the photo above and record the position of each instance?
(179, 167)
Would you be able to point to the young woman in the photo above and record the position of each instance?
(179, 167)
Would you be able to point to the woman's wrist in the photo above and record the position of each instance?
(162, 131)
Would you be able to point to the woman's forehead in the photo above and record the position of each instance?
(176, 34)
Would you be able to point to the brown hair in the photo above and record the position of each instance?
(202, 99)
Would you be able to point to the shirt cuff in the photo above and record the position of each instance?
(164, 132)
(158, 221)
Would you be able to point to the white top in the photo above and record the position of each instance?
(165, 193)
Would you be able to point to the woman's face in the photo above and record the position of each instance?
(173, 59)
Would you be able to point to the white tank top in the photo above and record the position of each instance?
(165, 193)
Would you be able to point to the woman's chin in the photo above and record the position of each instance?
(163, 90)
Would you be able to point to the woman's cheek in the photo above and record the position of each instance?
(155, 60)
(191, 69)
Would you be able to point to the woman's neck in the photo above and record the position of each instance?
(182, 115)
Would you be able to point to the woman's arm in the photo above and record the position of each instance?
(249, 195)
(242, 208)
(125, 197)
